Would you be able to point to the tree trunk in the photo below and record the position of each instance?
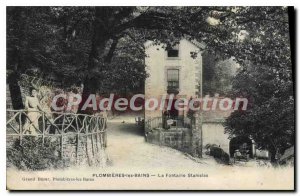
(15, 91)
(273, 156)
(96, 58)
(90, 82)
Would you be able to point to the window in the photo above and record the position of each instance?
(173, 53)
(173, 78)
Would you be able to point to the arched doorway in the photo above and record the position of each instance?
(239, 142)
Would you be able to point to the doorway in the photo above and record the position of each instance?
(241, 143)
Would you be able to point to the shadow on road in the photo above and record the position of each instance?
(125, 126)
(131, 128)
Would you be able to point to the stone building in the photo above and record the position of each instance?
(175, 73)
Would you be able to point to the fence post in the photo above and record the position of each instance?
(43, 130)
(21, 128)
(97, 141)
(62, 137)
(61, 145)
(77, 139)
(92, 142)
(77, 146)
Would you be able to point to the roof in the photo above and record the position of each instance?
(288, 153)
(198, 44)
(150, 43)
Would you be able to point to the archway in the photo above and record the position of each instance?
(236, 143)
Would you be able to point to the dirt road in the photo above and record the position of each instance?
(127, 147)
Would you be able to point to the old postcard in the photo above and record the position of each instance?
(150, 98)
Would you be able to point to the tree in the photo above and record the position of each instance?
(217, 75)
(54, 42)
(85, 40)
(160, 24)
(265, 78)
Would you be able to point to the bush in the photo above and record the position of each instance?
(32, 155)
(218, 153)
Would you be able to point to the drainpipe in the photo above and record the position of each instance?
(201, 111)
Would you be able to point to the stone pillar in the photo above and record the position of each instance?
(253, 148)
(196, 148)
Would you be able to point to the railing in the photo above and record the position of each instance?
(91, 128)
(172, 90)
(177, 136)
(153, 123)
(158, 122)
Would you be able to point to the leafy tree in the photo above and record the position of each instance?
(217, 75)
(55, 42)
(160, 24)
(24, 39)
(265, 78)
(43, 38)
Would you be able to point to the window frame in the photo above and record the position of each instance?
(178, 78)
(168, 52)
(176, 47)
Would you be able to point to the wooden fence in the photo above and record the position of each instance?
(84, 133)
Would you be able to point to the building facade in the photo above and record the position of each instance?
(173, 73)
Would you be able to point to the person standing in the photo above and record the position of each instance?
(33, 107)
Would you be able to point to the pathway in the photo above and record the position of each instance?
(127, 147)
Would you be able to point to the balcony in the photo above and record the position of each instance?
(172, 90)
(173, 87)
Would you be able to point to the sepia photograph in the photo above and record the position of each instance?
(150, 98)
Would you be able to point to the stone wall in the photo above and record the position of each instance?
(213, 133)
(87, 151)
(179, 139)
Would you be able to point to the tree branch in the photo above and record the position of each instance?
(147, 20)
(111, 51)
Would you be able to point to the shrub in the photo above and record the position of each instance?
(218, 153)
(33, 155)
